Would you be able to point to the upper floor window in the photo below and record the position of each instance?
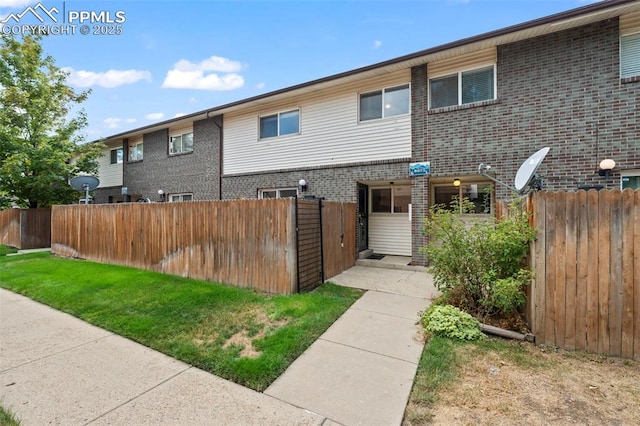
(181, 143)
(630, 56)
(178, 198)
(117, 156)
(278, 193)
(136, 150)
(384, 103)
(283, 123)
(462, 88)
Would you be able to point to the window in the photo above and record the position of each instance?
(630, 56)
(117, 156)
(395, 199)
(180, 144)
(630, 180)
(462, 88)
(136, 151)
(178, 198)
(283, 123)
(384, 103)
(480, 194)
(278, 193)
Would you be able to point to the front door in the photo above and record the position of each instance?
(363, 217)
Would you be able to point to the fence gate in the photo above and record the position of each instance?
(309, 233)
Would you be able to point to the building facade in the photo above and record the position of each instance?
(570, 81)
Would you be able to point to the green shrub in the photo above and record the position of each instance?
(479, 266)
(449, 321)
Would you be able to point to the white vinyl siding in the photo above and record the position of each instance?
(390, 233)
(109, 174)
(630, 23)
(330, 132)
(630, 56)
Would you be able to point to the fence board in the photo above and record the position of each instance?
(626, 343)
(339, 237)
(25, 228)
(309, 244)
(582, 262)
(10, 227)
(247, 243)
(587, 263)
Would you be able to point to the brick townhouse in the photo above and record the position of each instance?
(570, 81)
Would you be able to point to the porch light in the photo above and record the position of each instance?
(456, 182)
(303, 185)
(606, 166)
(161, 194)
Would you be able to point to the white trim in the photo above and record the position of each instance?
(278, 114)
(383, 91)
(180, 195)
(277, 191)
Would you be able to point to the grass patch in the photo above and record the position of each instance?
(5, 250)
(7, 418)
(195, 321)
(441, 364)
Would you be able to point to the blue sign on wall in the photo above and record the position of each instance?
(419, 169)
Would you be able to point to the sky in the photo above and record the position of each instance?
(160, 59)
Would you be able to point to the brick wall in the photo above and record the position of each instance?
(420, 184)
(195, 172)
(101, 195)
(561, 90)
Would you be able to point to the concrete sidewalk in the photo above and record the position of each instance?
(57, 369)
(361, 370)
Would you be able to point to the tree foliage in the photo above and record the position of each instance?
(480, 268)
(40, 124)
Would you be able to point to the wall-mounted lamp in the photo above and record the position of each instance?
(303, 185)
(456, 182)
(606, 166)
(161, 194)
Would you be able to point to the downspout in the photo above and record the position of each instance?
(220, 137)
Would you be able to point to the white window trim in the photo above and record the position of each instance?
(277, 190)
(260, 117)
(117, 162)
(181, 195)
(628, 173)
(393, 195)
(181, 134)
(383, 90)
(459, 75)
(467, 183)
(632, 34)
(135, 144)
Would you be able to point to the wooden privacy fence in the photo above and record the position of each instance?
(586, 258)
(246, 243)
(25, 228)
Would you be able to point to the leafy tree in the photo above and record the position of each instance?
(39, 141)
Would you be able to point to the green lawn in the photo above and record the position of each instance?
(5, 250)
(238, 334)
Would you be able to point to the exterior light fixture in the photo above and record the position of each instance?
(456, 182)
(606, 166)
(303, 185)
(161, 194)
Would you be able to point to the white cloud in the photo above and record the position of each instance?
(108, 79)
(192, 100)
(114, 123)
(260, 86)
(377, 44)
(180, 114)
(204, 75)
(154, 116)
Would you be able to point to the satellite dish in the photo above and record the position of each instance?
(85, 183)
(526, 176)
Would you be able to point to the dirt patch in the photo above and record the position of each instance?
(257, 326)
(552, 388)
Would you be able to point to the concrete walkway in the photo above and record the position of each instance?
(57, 369)
(361, 370)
